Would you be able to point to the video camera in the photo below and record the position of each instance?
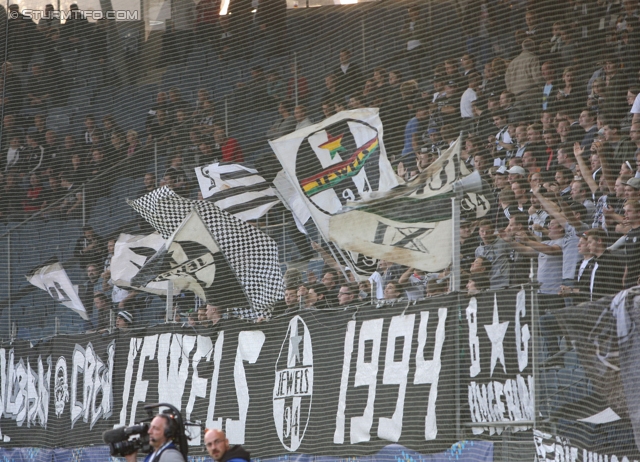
(127, 440)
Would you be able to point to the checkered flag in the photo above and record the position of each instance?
(252, 255)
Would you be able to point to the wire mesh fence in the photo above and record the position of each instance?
(438, 199)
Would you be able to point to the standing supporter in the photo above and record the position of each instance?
(228, 146)
(623, 147)
(550, 261)
(548, 74)
(286, 124)
(584, 268)
(497, 252)
(607, 274)
(632, 244)
(501, 142)
(469, 96)
(523, 75)
(349, 77)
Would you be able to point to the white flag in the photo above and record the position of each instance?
(54, 279)
(412, 224)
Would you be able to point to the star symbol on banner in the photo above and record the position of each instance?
(495, 332)
(295, 349)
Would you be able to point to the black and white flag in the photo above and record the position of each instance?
(54, 279)
(192, 260)
(252, 255)
(236, 189)
(130, 254)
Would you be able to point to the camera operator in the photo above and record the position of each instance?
(217, 445)
(162, 431)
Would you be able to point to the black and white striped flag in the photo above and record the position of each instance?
(236, 189)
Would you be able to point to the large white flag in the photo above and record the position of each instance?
(339, 160)
(236, 189)
(54, 279)
(411, 225)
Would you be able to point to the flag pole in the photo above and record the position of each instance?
(455, 247)
(169, 315)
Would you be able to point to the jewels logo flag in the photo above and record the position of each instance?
(339, 160)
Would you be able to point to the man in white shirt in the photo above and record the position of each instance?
(469, 96)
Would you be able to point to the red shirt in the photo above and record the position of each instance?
(231, 151)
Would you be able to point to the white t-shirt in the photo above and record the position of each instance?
(469, 96)
(635, 109)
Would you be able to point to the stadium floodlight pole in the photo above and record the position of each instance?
(295, 75)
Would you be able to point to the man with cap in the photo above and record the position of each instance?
(124, 320)
(516, 173)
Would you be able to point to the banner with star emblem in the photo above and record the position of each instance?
(339, 160)
(498, 333)
(323, 384)
(411, 224)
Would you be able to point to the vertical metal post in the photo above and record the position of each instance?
(455, 243)
(455, 288)
(364, 51)
(169, 314)
(57, 325)
(226, 117)
(295, 76)
(534, 352)
(284, 236)
(84, 195)
(9, 281)
(155, 160)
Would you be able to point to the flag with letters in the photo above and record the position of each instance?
(338, 160)
(52, 278)
(252, 256)
(236, 189)
(412, 224)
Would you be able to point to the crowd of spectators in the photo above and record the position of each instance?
(549, 116)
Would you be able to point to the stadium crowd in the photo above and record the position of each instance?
(549, 116)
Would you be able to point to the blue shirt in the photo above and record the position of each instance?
(409, 130)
